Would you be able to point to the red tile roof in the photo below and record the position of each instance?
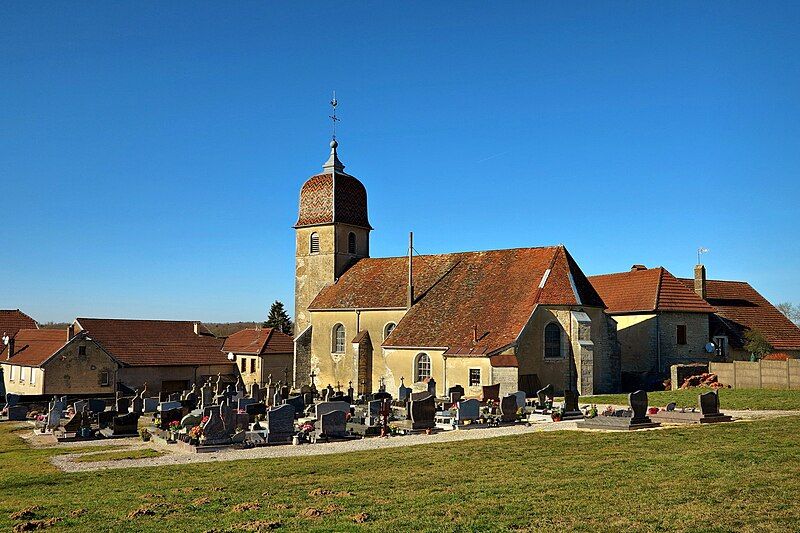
(647, 291)
(155, 342)
(13, 320)
(258, 341)
(32, 347)
(327, 198)
(741, 307)
(496, 290)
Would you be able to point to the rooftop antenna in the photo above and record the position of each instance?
(333, 117)
(700, 251)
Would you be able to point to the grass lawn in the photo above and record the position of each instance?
(118, 455)
(755, 399)
(740, 476)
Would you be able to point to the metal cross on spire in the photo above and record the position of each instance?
(333, 117)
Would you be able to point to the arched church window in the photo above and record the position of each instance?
(388, 329)
(313, 246)
(422, 367)
(351, 243)
(552, 341)
(338, 338)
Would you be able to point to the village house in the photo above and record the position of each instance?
(168, 355)
(261, 354)
(663, 320)
(47, 362)
(13, 320)
(522, 318)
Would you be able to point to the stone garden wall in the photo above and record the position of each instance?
(758, 375)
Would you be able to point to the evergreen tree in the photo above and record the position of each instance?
(279, 319)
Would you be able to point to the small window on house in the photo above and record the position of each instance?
(474, 377)
(314, 244)
(243, 364)
(351, 243)
(681, 334)
(338, 338)
(104, 379)
(11, 372)
(388, 330)
(253, 365)
(33, 376)
(23, 373)
(82, 350)
(552, 341)
(423, 367)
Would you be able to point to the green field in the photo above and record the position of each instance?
(740, 476)
(741, 399)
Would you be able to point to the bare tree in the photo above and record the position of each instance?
(791, 311)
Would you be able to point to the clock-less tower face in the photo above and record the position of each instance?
(332, 232)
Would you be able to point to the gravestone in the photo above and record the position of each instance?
(123, 404)
(455, 393)
(255, 392)
(491, 392)
(168, 416)
(270, 396)
(79, 405)
(244, 402)
(709, 409)
(137, 405)
(508, 408)
(297, 403)
(520, 395)
(468, 410)
(54, 415)
(403, 393)
(74, 423)
(671, 406)
(169, 406)
(333, 425)
(571, 409)
(543, 395)
(104, 419)
(150, 404)
(279, 422)
(191, 420)
(328, 407)
(308, 398)
(638, 401)
(432, 386)
(228, 415)
(206, 395)
(423, 410)
(214, 431)
(382, 395)
(255, 409)
(17, 412)
(126, 424)
(12, 399)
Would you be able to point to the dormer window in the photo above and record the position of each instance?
(314, 243)
(351, 243)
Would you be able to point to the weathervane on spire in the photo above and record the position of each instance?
(333, 117)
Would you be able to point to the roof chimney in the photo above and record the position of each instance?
(700, 281)
(10, 347)
(197, 328)
(475, 333)
(70, 332)
(635, 268)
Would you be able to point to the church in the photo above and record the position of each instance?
(522, 318)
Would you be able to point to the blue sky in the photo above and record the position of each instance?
(151, 153)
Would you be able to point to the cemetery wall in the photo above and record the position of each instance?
(759, 374)
(507, 377)
(457, 373)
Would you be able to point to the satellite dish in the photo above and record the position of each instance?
(710, 347)
(5, 339)
(231, 357)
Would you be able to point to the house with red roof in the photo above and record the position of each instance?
(663, 320)
(47, 362)
(168, 355)
(522, 317)
(261, 355)
(13, 320)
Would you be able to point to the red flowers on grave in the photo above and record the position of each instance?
(307, 427)
(195, 432)
(174, 426)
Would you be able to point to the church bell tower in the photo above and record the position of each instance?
(331, 233)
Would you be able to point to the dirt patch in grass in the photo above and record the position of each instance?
(77, 512)
(326, 492)
(246, 506)
(144, 510)
(360, 518)
(143, 453)
(33, 525)
(201, 501)
(259, 525)
(312, 512)
(24, 514)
